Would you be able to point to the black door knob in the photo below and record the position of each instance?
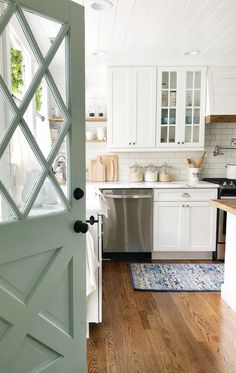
(78, 193)
(80, 227)
(91, 220)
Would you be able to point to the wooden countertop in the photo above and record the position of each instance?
(228, 205)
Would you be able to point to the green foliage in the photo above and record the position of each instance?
(38, 98)
(16, 70)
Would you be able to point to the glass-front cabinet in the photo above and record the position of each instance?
(180, 107)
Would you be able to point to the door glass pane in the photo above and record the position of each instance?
(196, 98)
(164, 116)
(44, 30)
(6, 115)
(188, 116)
(164, 134)
(165, 79)
(196, 116)
(19, 65)
(48, 200)
(20, 169)
(60, 166)
(173, 79)
(197, 81)
(164, 98)
(189, 95)
(172, 119)
(188, 134)
(196, 134)
(172, 98)
(58, 71)
(44, 118)
(189, 82)
(6, 213)
(171, 134)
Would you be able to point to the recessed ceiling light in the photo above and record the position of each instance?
(101, 5)
(192, 52)
(99, 53)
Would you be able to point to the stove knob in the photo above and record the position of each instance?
(224, 183)
(231, 183)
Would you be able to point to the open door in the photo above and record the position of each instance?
(42, 152)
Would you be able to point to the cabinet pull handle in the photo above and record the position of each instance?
(178, 142)
(133, 143)
(185, 195)
(182, 142)
(129, 143)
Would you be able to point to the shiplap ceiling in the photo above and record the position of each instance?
(160, 31)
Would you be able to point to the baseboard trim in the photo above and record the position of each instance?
(181, 255)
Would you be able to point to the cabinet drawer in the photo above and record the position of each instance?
(184, 194)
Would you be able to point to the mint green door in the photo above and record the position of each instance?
(42, 259)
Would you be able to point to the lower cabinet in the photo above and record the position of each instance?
(184, 226)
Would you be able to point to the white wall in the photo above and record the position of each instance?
(216, 134)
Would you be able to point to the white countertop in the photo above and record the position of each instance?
(149, 185)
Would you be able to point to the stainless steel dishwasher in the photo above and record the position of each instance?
(127, 231)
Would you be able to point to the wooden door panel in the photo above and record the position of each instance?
(42, 259)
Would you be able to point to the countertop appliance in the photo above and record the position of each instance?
(127, 231)
(227, 190)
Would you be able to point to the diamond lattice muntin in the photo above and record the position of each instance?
(18, 113)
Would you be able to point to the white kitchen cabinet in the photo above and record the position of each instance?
(168, 226)
(181, 108)
(200, 226)
(132, 107)
(119, 130)
(182, 224)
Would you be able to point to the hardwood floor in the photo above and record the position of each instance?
(151, 332)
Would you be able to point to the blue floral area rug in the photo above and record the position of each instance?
(177, 277)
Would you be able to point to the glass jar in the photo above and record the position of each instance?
(135, 173)
(165, 174)
(151, 173)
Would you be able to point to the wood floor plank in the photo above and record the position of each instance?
(153, 332)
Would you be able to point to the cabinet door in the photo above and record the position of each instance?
(194, 86)
(168, 226)
(119, 107)
(144, 107)
(168, 107)
(200, 227)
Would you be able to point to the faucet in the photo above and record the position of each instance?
(217, 151)
(218, 148)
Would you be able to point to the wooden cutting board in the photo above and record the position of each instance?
(97, 170)
(111, 163)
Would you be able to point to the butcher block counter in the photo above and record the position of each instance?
(228, 289)
(228, 205)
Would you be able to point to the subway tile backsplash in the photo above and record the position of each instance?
(215, 134)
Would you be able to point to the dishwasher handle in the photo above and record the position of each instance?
(128, 196)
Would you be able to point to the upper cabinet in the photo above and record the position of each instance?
(132, 107)
(181, 108)
(146, 116)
